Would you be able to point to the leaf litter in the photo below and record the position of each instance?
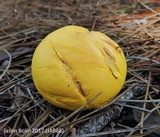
(134, 25)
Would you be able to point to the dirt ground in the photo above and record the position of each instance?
(133, 24)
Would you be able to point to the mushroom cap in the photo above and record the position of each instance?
(72, 65)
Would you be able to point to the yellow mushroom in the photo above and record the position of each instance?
(72, 65)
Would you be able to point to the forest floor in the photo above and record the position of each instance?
(133, 24)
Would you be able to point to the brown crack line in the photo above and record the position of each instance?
(108, 53)
(80, 87)
(104, 52)
(54, 95)
(77, 83)
(113, 44)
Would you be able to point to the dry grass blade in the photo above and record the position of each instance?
(39, 121)
(1, 128)
(133, 24)
(157, 128)
(144, 105)
(70, 116)
(9, 63)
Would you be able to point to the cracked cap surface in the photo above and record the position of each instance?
(72, 65)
